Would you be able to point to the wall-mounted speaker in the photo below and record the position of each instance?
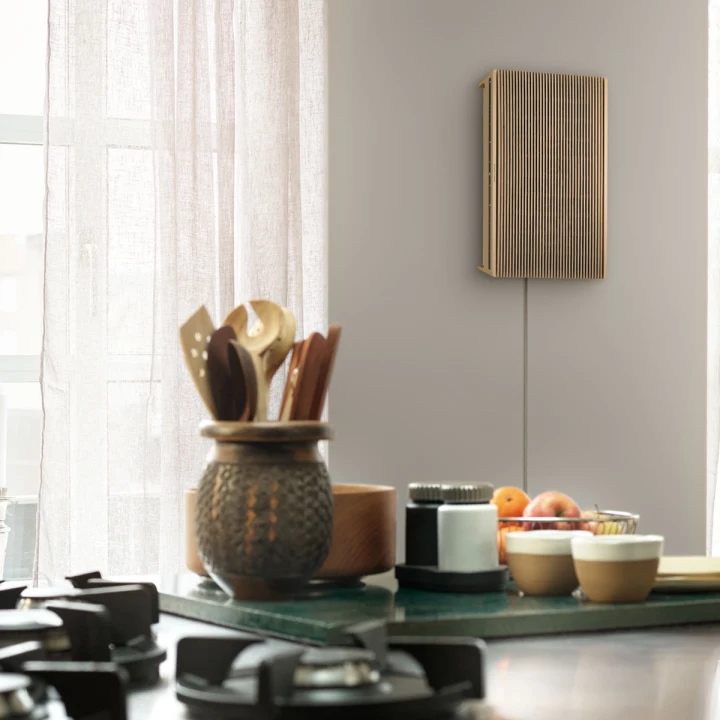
(544, 175)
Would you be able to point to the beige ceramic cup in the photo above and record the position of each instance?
(541, 562)
(617, 568)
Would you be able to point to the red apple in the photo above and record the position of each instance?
(553, 504)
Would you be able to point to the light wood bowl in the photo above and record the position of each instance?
(364, 529)
(192, 559)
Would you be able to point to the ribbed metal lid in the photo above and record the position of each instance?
(469, 493)
(426, 492)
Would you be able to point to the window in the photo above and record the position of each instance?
(23, 30)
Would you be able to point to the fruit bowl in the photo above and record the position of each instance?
(600, 522)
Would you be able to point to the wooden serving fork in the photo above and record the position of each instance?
(268, 342)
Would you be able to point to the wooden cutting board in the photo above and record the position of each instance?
(687, 584)
(689, 565)
(688, 573)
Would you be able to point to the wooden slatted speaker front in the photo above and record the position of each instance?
(544, 175)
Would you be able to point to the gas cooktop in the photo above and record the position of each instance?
(74, 650)
(246, 678)
(78, 650)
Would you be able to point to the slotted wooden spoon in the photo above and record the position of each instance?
(195, 335)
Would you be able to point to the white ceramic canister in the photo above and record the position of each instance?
(467, 529)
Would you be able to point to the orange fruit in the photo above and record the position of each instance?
(510, 501)
(502, 532)
(505, 524)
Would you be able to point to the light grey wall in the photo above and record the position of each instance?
(429, 382)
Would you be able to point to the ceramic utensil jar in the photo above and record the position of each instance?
(421, 524)
(264, 511)
(467, 529)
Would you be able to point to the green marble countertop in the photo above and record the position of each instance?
(321, 617)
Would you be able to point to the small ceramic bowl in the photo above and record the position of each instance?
(541, 561)
(617, 568)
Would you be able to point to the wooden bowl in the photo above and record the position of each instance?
(364, 528)
(192, 559)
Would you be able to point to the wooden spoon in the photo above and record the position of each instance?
(265, 330)
(269, 342)
(244, 381)
(218, 371)
(195, 335)
(281, 346)
(274, 356)
(237, 319)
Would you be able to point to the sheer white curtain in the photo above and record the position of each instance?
(185, 165)
(713, 439)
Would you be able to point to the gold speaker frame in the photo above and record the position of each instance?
(544, 175)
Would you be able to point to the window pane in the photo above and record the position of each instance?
(22, 189)
(21, 248)
(23, 456)
(24, 430)
(131, 251)
(21, 540)
(23, 34)
(23, 396)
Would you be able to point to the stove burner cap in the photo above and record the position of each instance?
(39, 596)
(336, 668)
(12, 621)
(40, 625)
(15, 699)
(10, 682)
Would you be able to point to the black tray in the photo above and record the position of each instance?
(421, 577)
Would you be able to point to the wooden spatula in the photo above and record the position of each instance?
(308, 372)
(244, 382)
(195, 335)
(291, 382)
(218, 372)
(327, 364)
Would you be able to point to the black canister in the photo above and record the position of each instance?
(421, 539)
